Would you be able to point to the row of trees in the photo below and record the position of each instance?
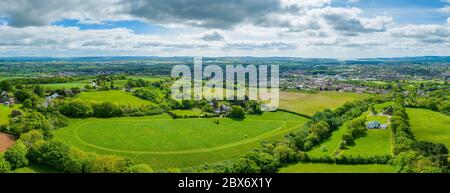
(355, 129)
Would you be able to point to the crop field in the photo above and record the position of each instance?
(163, 142)
(333, 168)
(430, 126)
(310, 103)
(113, 96)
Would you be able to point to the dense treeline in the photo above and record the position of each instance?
(81, 109)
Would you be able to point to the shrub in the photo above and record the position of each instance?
(16, 155)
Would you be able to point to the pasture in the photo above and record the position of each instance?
(164, 142)
(333, 168)
(431, 126)
(113, 96)
(310, 103)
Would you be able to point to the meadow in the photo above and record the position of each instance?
(310, 103)
(333, 168)
(431, 126)
(164, 143)
(113, 96)
(5, 111)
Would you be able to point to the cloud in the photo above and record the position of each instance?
(348, 21)
(217, 14)
(214, 36)
(445, 9)
(261, 46)
(424, 33)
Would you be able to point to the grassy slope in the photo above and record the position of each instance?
(430, 126)
(166, 143)
(113, 96)
(308, 104)
(332, 168)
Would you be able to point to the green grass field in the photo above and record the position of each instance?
(193, 112)
(113, 96)
(5, 111)
(380, 119)
(165, 143)
(430, 126)
(64, 85)
(332, 168)
(308, 104)
(377, 142)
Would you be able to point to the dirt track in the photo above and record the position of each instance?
(6, 141)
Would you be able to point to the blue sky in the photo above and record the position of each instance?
(303, 28)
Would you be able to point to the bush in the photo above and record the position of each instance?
(16, 155)
(237, 113)
(140, 168)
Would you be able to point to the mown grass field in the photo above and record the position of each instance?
(113, 96)
(333, 168)
(163, 142)
(431, 126)
(310, 103)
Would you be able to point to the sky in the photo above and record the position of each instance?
(296, 28)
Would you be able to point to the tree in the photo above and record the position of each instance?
(16, 155)
(52, 153)
(31, 121)
(108, 109)
(5, 167)
(237, 113)
(348, 138)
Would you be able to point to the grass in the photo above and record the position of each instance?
(380, 119)
(332, 168)
(163, 142)
(5, 111)
(431, 126)
(377, 142)
(113, 96)
(193, 112)
(64, 85)
(310, 103)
